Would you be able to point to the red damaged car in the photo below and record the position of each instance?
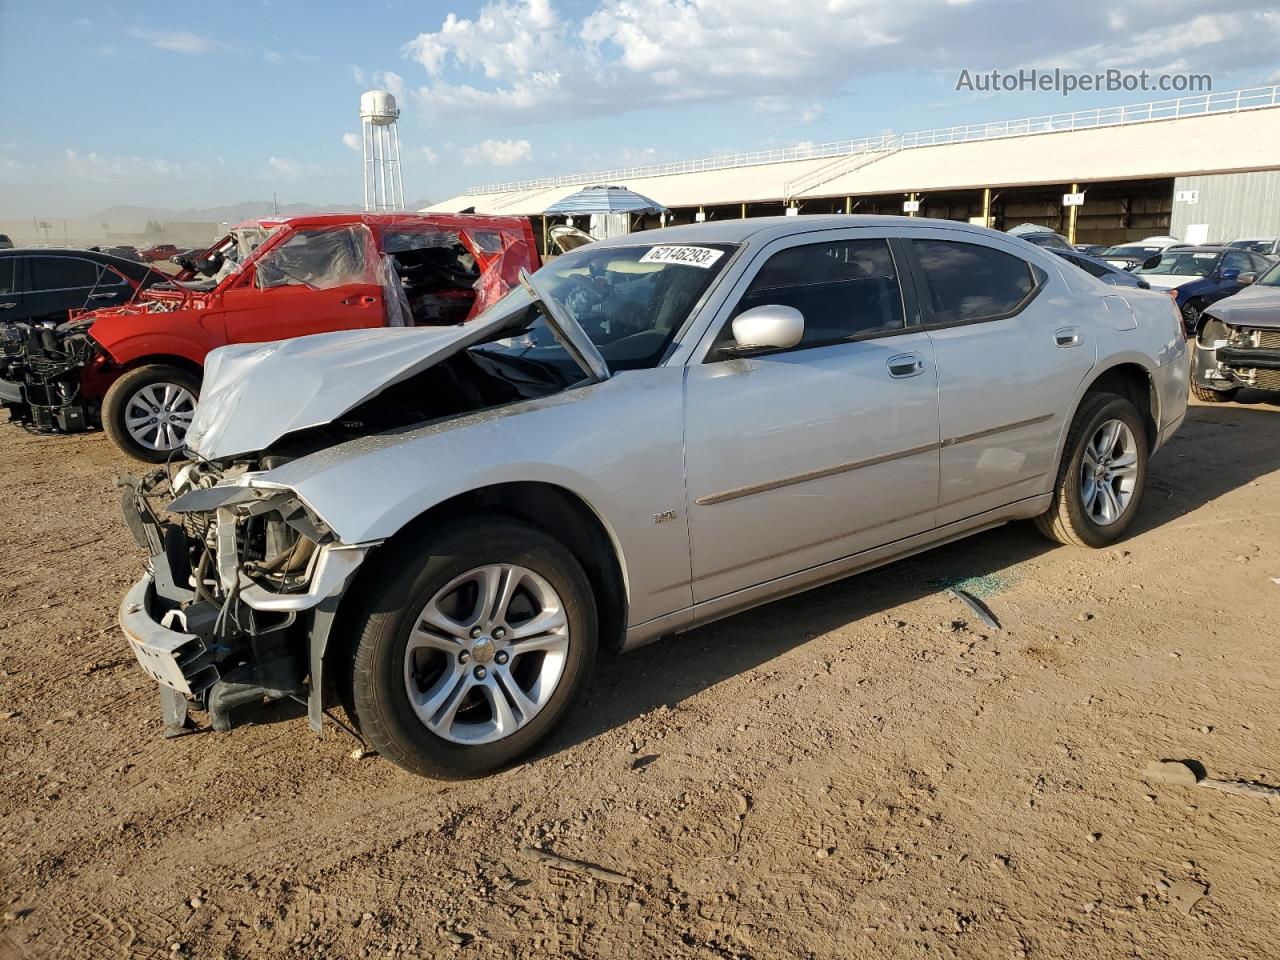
(135, 369)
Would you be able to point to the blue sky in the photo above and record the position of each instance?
(160, 105)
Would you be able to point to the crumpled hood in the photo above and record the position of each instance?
(1167, 281)
(1254, 306)
(254, 394)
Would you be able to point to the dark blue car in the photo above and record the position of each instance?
(1198, 276)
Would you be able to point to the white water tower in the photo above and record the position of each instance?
(380, 142)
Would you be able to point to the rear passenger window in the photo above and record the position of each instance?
(8, 275)
(845, 289)
(59, 273)
(1088, 266)
(968, 282)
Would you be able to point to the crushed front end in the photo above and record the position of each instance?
(1228, 357)
(47, 376)
(240, 588)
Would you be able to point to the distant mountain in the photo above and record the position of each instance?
(231, 213)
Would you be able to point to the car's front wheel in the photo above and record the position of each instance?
(472, 647)
(148, 411)
(1102, 475)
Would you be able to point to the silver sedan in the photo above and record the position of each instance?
(440, 527)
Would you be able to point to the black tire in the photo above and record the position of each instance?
(115, 406)
(1067, 520)
(1209, 395)
(415, 572)
(1192, 316)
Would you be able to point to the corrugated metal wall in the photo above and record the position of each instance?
(1232, 205)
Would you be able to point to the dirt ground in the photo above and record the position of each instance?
(862, 771)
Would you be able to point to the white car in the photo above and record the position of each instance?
(439, 527)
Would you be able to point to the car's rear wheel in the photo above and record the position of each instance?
(472, 648)
(148, 411)
(1102, 475)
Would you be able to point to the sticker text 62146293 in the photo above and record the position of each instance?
(690, 256)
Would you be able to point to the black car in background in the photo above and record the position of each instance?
(41, 285)
(1102, 270)
(38, 287)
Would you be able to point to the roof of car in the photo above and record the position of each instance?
(769, 228)
(124, 264)
(390, 219)
(1202, 248)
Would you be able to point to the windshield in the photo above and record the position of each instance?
(630, 301)
(1271, 278)
(1182, 263)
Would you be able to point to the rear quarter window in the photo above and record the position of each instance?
(968, 282)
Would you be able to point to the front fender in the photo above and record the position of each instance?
(617, 445)
(187, 334)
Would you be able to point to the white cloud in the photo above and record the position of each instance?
(358, 75)
(430, 155)
(284, 167)
(351, 141)
(497, 153)
(524, 59)
(176, 41)
(102, 168)
(393, 83)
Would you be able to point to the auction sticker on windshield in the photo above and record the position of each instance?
(690, 256)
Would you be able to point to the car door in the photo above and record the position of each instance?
(57, 283)
(1012, 345)
(315, 280)
(799, 457)
(1232, 264)
(12, 300)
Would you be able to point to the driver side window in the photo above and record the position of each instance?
(319, 259)
(845, 289)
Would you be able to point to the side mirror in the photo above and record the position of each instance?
(770, 327)
(1229, 275)
(1151, 262)
(1246, 278)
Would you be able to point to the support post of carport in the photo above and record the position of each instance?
(744, 211)
(986, 206)
(1071, 217)
(544, 235)
(848, 204)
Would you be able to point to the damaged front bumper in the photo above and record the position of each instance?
(249, 645)
(1225, 364)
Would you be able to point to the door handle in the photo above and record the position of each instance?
(8, 306)
(365, 301)
(1067, 336)
(905, 365)
(101, 296)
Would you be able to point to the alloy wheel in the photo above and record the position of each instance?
(486, 653)
(1109, 472)
(159, 415)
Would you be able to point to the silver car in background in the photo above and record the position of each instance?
(439, 527)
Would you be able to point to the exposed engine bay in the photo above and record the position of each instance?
(242, 570)
(46, 361)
